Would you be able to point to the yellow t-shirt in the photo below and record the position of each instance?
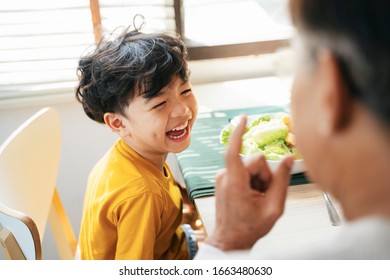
(132, 210)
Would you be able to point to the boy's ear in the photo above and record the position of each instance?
(334, 96)
(114, 121)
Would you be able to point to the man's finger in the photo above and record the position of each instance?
(232, 155)
(259, 171)
(281, 180)
(257, 165)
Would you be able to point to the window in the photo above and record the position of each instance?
(210, 28)
(41, 40)
(234, 27)
(159, 14)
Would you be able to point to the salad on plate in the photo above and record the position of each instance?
(269, 133)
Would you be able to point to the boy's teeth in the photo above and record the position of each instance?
(180, 127)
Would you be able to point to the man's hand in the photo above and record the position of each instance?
(249, 197)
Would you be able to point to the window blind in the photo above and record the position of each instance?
(159, 15)
(42, 40)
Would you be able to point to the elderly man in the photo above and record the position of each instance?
(340, 105)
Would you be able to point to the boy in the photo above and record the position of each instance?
(138, 86)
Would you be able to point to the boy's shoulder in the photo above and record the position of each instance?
(122, 168)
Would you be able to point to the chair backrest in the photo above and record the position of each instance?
(29, 163)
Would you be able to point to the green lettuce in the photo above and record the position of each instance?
(276, 150)
(266, 134)
(249, 147)
(225, 133)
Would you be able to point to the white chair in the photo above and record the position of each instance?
(29, 163)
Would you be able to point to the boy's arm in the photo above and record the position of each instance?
(138, 221)
(191, 217)
(189, 211)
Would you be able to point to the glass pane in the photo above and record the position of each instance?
(217, 22)
(157, 18)
(117, 14)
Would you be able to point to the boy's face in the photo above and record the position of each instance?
(162, 124)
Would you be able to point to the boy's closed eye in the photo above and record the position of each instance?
(161, 104)
(186, 91)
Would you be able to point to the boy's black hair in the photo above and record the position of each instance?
(133, 63)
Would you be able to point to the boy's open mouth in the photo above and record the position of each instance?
(178, 132)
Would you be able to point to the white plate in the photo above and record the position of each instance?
(298, 166)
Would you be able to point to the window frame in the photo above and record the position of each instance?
(225, 50)
(203, 52)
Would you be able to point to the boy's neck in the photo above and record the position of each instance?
(157, 159)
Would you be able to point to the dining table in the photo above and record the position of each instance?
(305, 217)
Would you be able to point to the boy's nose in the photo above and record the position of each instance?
(181, 109)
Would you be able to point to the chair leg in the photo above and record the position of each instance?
(62, 229)
(10, 246)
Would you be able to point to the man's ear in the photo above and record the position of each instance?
(334, 96)
(114, 121)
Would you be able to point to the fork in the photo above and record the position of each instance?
(333, 216)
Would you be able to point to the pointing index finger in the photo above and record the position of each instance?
(232, 155)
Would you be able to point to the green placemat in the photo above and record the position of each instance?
(205, 156)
